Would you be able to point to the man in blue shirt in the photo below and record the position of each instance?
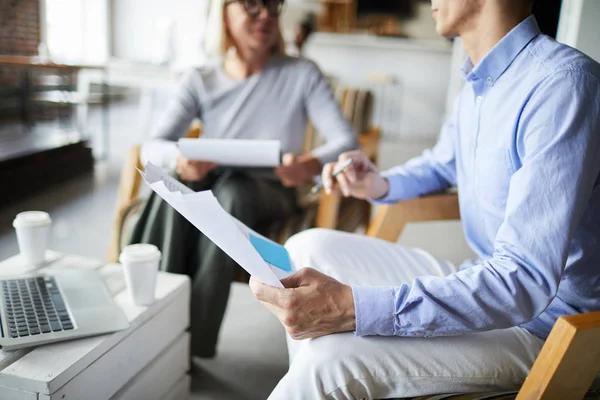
(523, 149)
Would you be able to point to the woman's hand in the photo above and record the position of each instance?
(361, 179)
(296, 171)
(191, 170)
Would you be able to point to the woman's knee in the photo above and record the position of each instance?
(234, 195)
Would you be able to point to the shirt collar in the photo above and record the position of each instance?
(493, 65)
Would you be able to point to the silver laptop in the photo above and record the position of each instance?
(56, 305)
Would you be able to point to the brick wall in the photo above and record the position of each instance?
(19, 35)
(19, 27)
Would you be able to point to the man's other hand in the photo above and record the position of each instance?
(361, 179)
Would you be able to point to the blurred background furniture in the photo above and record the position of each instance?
(58, 87)
(34, 158)
(337, 16)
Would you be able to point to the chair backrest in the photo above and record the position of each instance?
(356, 105)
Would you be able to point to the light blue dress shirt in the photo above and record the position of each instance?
(523, 148)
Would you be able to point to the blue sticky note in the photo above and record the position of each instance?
(273, 253)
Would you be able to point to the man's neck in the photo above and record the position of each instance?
(242, 65)
(487, 31)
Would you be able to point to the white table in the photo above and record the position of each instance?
(150, 360)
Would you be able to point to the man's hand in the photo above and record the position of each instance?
(296, 171)
(312, 305)
(190, 170)
(361, 179)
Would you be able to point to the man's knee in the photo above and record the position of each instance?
(311, 247)
(306, 244)
(312, 368)
(318, 371)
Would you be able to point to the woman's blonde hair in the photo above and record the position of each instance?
(217, 39)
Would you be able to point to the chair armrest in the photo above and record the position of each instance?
(328, 210)
(129, 187)
(568, 361)
(389, 222)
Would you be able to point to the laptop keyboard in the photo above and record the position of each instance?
(34, 306)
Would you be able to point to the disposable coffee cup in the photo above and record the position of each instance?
(33, 229)
(140, 264)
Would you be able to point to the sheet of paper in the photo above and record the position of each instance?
(153, 174)
(233, 152)
(273, 253)
(204, 212)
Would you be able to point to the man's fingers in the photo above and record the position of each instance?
(265, 293)
(302, 277)
(326, 176)
(351, 173)
(349, 154)
(294, 281)
(345, 185)
(269, 294)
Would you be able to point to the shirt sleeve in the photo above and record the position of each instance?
(324, 112)
(559, 152)
(433, 171)
(182, 109)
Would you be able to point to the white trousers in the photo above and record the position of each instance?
(344, 366)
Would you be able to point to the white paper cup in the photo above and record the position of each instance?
(33, 228)
(140, 264)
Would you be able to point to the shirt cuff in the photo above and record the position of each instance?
(395, 192)
(374, 310)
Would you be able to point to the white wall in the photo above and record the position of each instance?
(589, 29)
(422, 70)
(578, 26)
(422, 26)
(75, 30)
(136, 37)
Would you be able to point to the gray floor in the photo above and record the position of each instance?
(252, 354)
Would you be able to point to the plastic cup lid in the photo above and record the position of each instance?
(139, 253)
(32, 219)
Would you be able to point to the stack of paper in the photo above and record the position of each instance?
(233, 152)
(262, 258)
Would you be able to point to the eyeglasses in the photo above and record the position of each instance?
(254, 7)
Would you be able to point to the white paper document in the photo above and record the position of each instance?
(260, 257)
(233, 152)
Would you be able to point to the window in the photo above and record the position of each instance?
(76, 30)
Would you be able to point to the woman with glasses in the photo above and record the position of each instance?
(251, 91)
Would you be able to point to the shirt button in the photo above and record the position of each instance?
(479, 99)
(490, 80)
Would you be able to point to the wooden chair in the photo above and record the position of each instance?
(570, 358)
(325, 211)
